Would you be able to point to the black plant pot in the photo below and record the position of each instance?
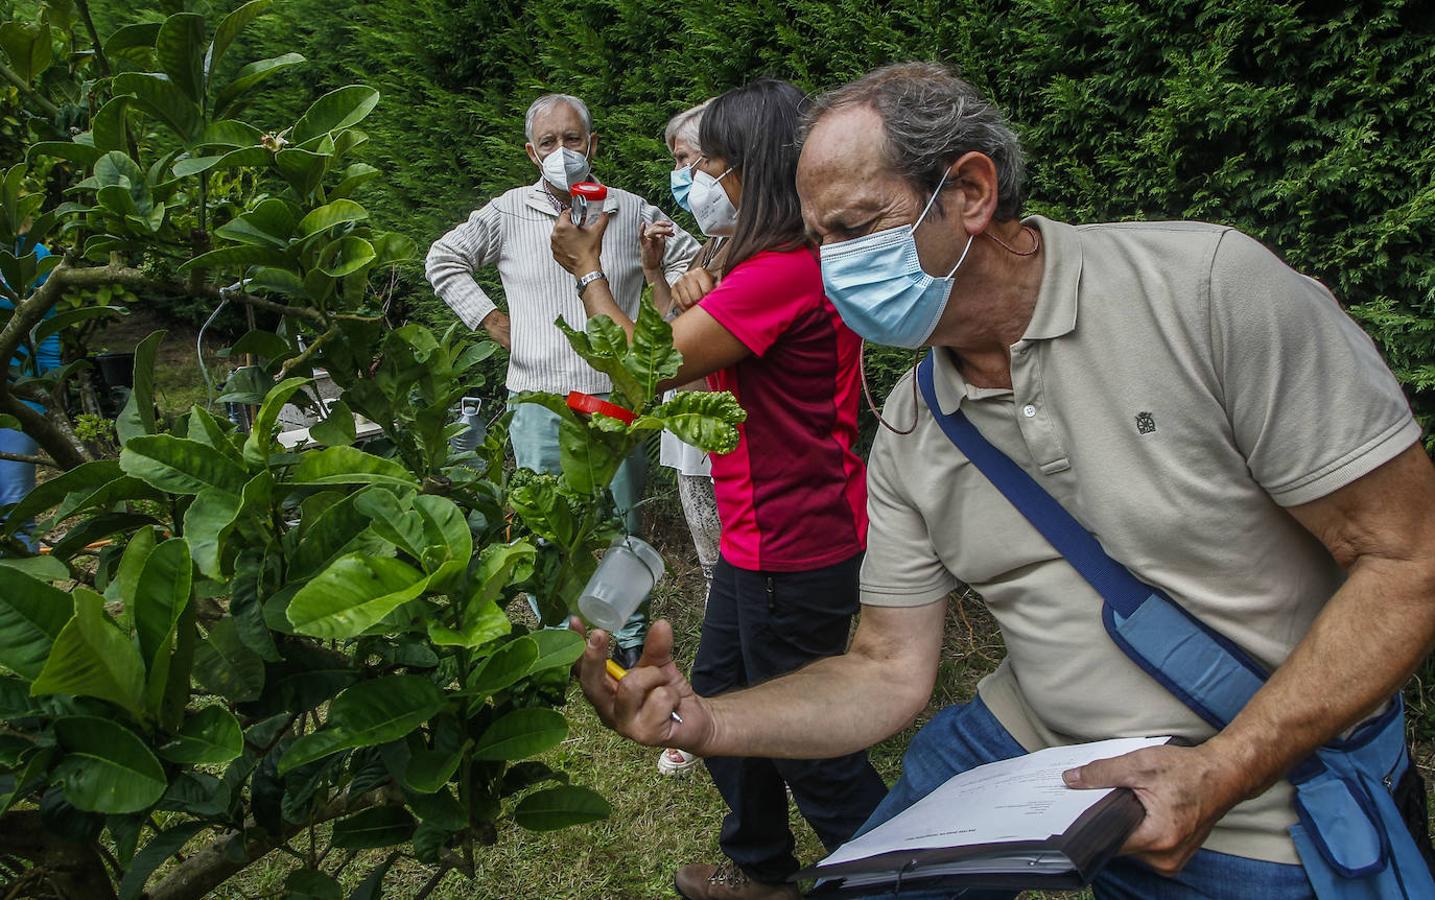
(116, 369)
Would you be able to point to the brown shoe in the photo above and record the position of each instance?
(728, 882)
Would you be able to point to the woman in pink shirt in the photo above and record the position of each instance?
(791, 496)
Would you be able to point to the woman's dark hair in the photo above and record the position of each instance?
(754, 128)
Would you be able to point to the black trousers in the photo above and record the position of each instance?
(758, 626)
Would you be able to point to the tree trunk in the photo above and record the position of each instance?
(73, 870)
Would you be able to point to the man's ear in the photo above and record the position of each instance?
(532, 155)
(592, 145)
(974, 175)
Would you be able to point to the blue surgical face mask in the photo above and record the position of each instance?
(879, 286)
(681, 181)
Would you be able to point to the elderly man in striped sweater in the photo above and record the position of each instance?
(511, 232)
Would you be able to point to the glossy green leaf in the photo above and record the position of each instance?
(33, 614)
(342, 108)
(28, 46)
(269, 224)
(44, 568)
(235, 259)
(83, 154)
(521, 734)
(382, 826)
(600, 351)
(706, 419)
(153, 855)
(439, 807)
(329, 533)
(314, 746)
(125, 584)
(106, 767)
(261, 434)
(209, 521)
(303, 169)
(339, 212)
(93, 658)
(557, 648)
(483, 621)
(162, 98)
(346, 256)
(85, 477)
(589, 458)
(209, 737)
(350, 465)
(137, 418)
(560, 807)
(352, 594)
(652, 358)
(161, 594)
(311, 884)
(109, 129)
(226, 666)
(446, 534)
(369, 713)
(355, 176)
(72, 317)
(250, 77)
(229, 28)
(337, 429)
(230, 134)
(179, 48)
(429, 770)
(505, 666)
(179, 465)
(131, 37)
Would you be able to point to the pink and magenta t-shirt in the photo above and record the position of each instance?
(793, 495)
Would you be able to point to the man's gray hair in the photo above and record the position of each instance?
(547, 102)
(930, 118)
(684, 126)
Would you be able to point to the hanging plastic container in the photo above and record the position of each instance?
(588, 197)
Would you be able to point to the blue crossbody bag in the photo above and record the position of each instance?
(1351, 835)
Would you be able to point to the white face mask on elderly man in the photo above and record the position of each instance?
(564, 168)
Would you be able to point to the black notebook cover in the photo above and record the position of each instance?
(1090, 842)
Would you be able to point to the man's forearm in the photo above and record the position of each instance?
(832, 707)
(840, 704)
(1365, 644)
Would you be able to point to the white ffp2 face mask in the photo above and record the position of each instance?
(564, 168)
(716, 215)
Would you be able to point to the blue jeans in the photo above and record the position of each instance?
(533, 435)
(17, 478)
(963, 737)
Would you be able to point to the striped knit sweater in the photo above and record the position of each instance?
(512, 232)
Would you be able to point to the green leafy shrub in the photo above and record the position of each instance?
(233, 638)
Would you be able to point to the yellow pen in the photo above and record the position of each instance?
(619, 673)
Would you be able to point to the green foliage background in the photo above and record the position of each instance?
(1307, 124)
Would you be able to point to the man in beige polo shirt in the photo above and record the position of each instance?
(1210, 415)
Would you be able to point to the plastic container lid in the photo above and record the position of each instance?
(588, 405)
(591, 191)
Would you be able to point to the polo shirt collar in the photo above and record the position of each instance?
(1055, 313)
(1054, 316)
(538, 198)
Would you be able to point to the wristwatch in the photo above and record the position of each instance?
(585, 280)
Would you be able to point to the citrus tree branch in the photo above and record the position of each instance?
(48, 108)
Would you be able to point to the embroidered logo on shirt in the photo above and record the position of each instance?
(1145, 422)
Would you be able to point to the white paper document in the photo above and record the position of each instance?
(1021, 799)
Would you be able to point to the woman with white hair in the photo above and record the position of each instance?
(694, 470)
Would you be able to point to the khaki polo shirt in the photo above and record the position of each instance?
(1177, 387)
